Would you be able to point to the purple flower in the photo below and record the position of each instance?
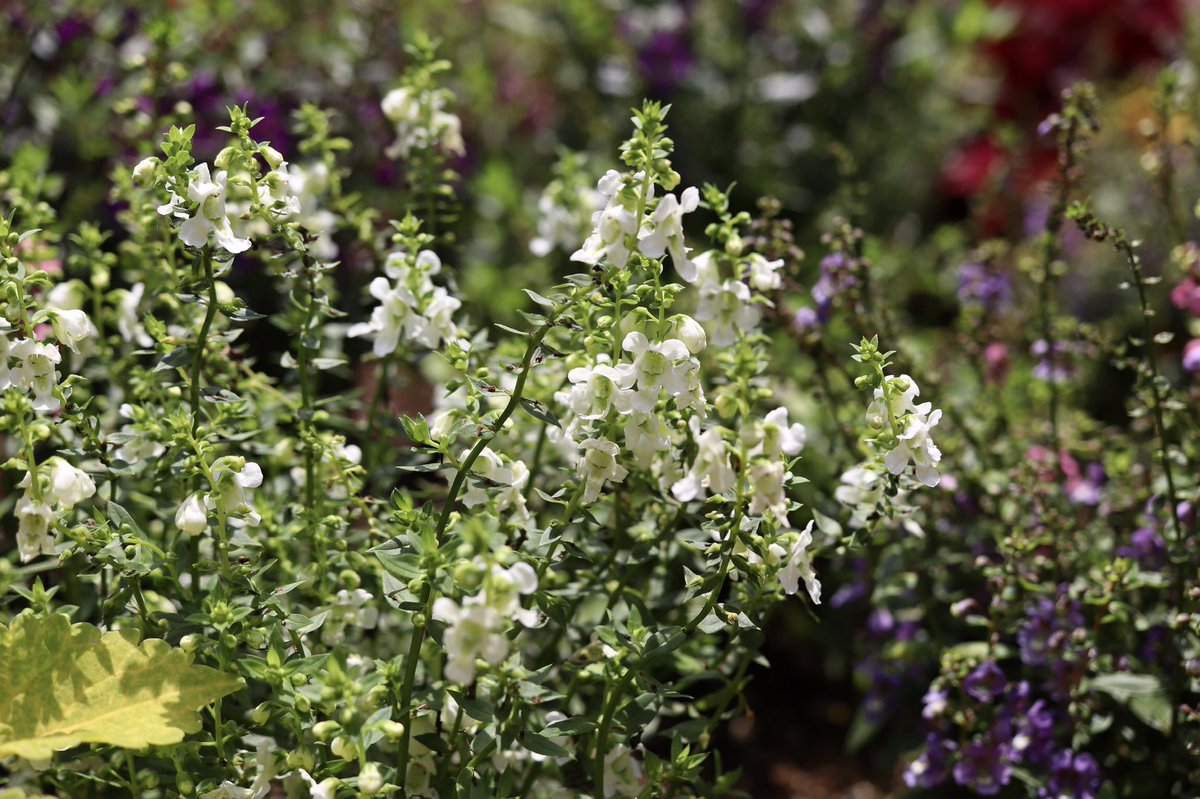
(930, 766)
(1034, 740)
(1146, 547)
(1072, 776)
(837, 275)
(982, 287)
(985, 766)
(936, 701)
(1054, 364)
(1191, 355)
(805, 319)
(986, 682)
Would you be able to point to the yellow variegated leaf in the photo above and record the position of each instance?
(66, 684)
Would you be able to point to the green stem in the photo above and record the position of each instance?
(202, 338)
(426, 598)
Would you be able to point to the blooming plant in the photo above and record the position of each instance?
(297, 503)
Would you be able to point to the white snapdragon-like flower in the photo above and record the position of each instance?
(610, 226)
(918, 448)
(725, 308)
(308, 184)
(192, 515)
(797, 566)
(646, 434)
(474, 631)
(563, 218)
(666, 366)
(914, 444)
(505, 587)
(512, 478)
(769, 479)
(710, 472)
(622, 773)
(410, 306)
(597, 389)
(861, 490)
(666, 231)
(36, 371)
(421, 121)
(598, 465)
(267, 769)
(33, 528)
(764, 274)
(129, 324)
(773, 436)
(349, 609)
(68, 485)
(70, 327)
(325, 789)
(231, 477)
(211, 218)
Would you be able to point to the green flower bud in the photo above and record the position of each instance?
(324, 730)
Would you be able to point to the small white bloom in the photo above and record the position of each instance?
(36, 372)
(69, 486)
(710, 471)
(192, 516)
(211, 218)
(916, 446)
(143, 173)
(596, 389)
(231, 477)
(622, 773)
(797, 566)
(646, 434)
(33, 528)
(512, 477)
(666, 232)
(598, 465)
(774, 436)
(764, 274)
(474, 631)
(769, 479)
(666, 366)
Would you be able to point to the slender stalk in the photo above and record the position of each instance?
(202, 337)
(421, 620)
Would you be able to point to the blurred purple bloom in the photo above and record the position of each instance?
(930, 766)
(1072, 776)
(1054, 364)
(985, 766)
(986, 682)
(982, 287)
(1191, 355)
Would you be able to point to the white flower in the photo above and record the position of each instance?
(231, 477)
(411, 307)
(211, 218)
(421, 122)
(513, 477)
(916, 446)
(596, 389)
(436, 320)
(268, 769)
(861, 490)
(797, 566)
(370, 780)
(143, 173)
(646, 434)
(598, 465)
(192, 516)
(668, 366)
(764, 274)
(129, 324)
(774, 436)
(326, 789)
(36, 372)
(690, 332)
(474, 631)
(69, 486)
(667, 231)
(622, 773)
(769, 479)
(710, 471)
(725, 309)
(33, 528)
(505, 587)
(611, 225)
(349, 609)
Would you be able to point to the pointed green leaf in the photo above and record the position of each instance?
(69, 684)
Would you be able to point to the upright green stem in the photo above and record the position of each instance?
(404, 699)
(202, 337)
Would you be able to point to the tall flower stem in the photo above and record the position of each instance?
(202, 337)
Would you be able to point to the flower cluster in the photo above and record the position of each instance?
(411, 308)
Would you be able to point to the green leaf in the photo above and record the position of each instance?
(1143, 694)
(539, 411)
(70, 684)
(541, 745)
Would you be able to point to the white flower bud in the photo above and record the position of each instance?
(143, 173)
(690, 332)
(370, 780)
(274, 157)
(192, 517)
